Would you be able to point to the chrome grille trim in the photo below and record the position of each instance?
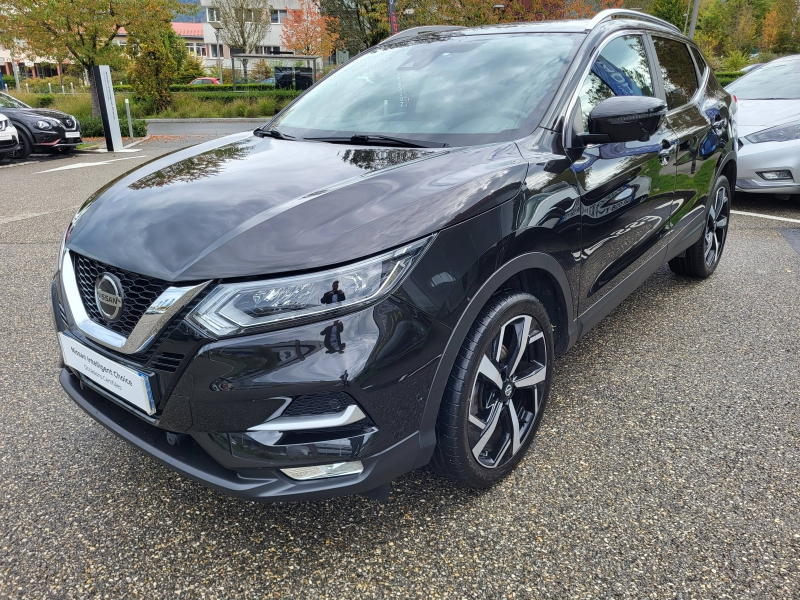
(155, 318)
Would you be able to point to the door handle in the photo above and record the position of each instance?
(667, 148)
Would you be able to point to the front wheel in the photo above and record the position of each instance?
(25, 148)
(701, 259)
(497, 391)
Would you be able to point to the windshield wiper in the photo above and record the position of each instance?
(379, 140)
(273, 133)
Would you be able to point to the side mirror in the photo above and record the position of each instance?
(624, 119)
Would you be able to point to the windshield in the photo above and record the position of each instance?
(779, 80)
(7, 101)
(454, 89)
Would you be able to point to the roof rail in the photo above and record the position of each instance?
(621, 13)
(415, 31)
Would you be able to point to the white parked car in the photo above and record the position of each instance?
(768, 119)
(9, 138)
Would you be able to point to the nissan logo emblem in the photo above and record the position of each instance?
(108, 296)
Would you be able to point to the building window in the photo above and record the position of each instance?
(196, 49)
(213, 14)
(278, 16)
(216, 51)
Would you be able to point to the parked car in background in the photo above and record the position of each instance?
(382, 276)
(268, 81)
(768, 120)
(9, 138)
(204, 81)
(40, 129)
(749, 68)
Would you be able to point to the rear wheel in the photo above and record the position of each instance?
(26, 146)
(701, 259)
(497, 391)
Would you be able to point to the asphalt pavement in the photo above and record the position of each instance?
(667, 466)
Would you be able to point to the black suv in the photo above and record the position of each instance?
(382, 276)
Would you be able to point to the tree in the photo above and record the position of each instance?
(193, 68)
(158, 58)
(86, 28)
(670, 10)
(359, 23)
(245, 23)
(308, 32)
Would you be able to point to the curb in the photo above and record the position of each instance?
(234, 120)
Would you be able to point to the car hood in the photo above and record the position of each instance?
(245, 205)
(755, 115)
(35, 113)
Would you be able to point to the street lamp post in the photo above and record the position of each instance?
(217, 27)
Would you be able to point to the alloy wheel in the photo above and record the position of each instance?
(716, 227)
(506, 396)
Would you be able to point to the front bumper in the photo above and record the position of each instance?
(268, 485)
(219, 392)
(11, 144)
(753, 159)
(56, 138)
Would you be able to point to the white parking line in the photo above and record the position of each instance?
(749, 214)
(91, 164)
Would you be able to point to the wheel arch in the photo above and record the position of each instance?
(535, 273)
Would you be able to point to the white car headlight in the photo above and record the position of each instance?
(781, 133)
(3, 123)
(246, 307)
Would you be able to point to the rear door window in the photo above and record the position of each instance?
(677, 71)
(621, 69)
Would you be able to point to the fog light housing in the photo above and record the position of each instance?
(773, 175)
(324, 471)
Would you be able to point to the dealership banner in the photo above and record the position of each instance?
(393, 18)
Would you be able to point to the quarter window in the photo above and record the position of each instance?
(701, 63)
(620, 70)
(677, 70)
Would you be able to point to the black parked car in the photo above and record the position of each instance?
(382, 276)
(40, 129)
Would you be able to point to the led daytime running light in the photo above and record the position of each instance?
(237, 308)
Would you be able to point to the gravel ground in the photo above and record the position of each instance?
(667, 464)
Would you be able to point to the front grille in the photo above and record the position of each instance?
(68, 123)
(138, 291)
(318, 404)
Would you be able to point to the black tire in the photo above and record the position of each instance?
(701, 259)
(24, 151)
(470, 406)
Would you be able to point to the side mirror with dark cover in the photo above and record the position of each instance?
(624, 119)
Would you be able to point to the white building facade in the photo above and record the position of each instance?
(270, 45)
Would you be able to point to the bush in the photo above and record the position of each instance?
(93, 127)
(735, 60)
(42, 101)
(725, 77)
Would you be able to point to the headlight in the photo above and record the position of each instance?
(3, 124)
(781, 133)
(235, 308)
(43, 125)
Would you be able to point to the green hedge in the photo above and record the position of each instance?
(725, 77)
(93, 127)
(233, 96)
(221, 89)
